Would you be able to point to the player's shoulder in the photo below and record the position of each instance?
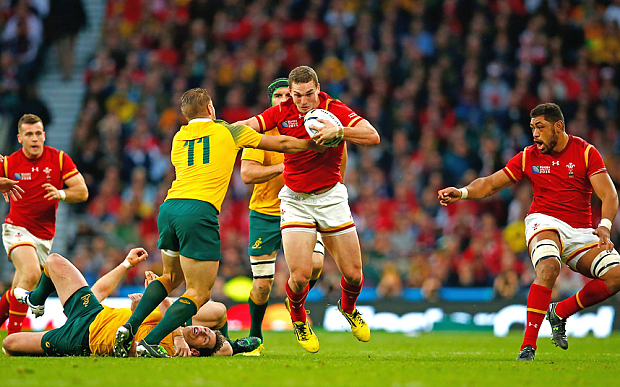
(579, 142)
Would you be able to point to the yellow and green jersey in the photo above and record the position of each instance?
(265, 195)
(102, 331)
(203, 154)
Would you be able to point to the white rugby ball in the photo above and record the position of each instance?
(311, 119)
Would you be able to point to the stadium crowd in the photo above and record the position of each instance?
(448, 84)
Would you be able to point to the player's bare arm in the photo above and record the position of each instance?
(288, 144)
(362, 133)
(253, 172)
(76, 191)
(106, 284)
(606, 191)
(477, 189)
(10, 189)
(251, 122)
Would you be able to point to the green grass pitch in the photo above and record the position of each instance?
(388, 360)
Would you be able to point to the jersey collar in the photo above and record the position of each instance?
(200, 120)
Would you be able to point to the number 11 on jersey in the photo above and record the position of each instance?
(190, 150)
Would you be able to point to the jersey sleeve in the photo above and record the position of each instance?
(244, 136)
(514, 168)
(347, 117)
(252, 154)
(67, 166)
(268, 119)
(594, 161)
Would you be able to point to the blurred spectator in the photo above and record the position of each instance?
(66, 18)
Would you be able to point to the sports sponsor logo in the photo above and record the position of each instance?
(290, 124)
(23, 176)
(541, 169)
(555, 163)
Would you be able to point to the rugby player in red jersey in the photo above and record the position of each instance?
(563, 170)
(314, 199)
(28, 230)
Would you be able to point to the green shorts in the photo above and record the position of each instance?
(265, 236)
(189, 227)
(71, 339)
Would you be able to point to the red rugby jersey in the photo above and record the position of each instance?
(560, 181)
(308, 171)
(33, 212)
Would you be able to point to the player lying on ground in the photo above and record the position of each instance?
(91, 327)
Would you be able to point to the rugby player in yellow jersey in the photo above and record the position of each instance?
(203, 154)
(91, 327)
(264, 170)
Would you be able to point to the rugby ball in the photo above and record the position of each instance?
(311, 119)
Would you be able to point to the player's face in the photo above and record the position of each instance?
(305, 96)
(199, 337)
(280, 96)
(32, 138)
(544, 134)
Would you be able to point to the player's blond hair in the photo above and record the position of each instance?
(28, 119)
(303, 74)
(194, 103)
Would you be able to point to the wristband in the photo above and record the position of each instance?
(605, 223)
(126, 263)
(464, 193)
(63, 195)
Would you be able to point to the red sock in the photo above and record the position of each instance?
(349, 294)
(592, 293)
(4, 306)
(17, 314)
(297, 303)
(538, 301)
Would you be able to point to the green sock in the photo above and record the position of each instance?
(178, 313)
(154, 294)
(257, 313)
(312, 283)
(188, 323)
(224, 330)
(43, 290)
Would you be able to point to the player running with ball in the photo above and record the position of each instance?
(314, 199)
(563, 170)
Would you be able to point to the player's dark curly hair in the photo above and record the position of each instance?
(550, 111)
(219, 341)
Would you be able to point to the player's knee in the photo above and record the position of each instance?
(353, 278)
(261, 288)
(219, 310)
(9, 343)
(55, 260)
(301, 277)
(547, 271)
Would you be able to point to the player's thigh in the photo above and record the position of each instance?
(597, 262)
(210, 314)
(27, 266)
(14, 237)
(24, 343)
(298, 249)
(66, 277)
(345, 248)
(199, 277)
(172, 269)
(196, 226)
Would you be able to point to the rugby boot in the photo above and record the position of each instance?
(358, 326)
(527, 353)
(558, 327)
(23, 296)
(306, 337)
(247, 345)
(122, 342)
(147, 350)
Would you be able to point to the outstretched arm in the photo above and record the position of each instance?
(362, 133)
(605, 190)
(477, 189)
(251, 122)
(106, 284)
(288, 144)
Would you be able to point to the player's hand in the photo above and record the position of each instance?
(181, 347)
(135, 300)
(149, 277)
(137, 255)
(313, 145)
(604, 239)
(325, 133)
(52, 192)
(10, 189)
(448, 195)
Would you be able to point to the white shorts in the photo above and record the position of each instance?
(575, 242)
(327, 212)
(15, 236)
